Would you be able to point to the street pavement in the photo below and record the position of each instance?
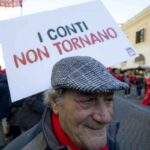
(134, 132)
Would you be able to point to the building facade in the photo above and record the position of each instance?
(137, 30)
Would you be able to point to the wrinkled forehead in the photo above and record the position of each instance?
(80, 93)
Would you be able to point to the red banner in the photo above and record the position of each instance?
(11, 3)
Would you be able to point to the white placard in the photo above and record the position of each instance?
(32, 44)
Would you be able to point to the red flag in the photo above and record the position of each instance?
(11, 3)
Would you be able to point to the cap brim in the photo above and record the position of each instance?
(94, 83)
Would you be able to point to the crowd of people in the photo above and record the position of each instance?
(138, 81)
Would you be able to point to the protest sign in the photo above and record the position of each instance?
(32, 44)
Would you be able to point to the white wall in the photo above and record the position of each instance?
(7, 13)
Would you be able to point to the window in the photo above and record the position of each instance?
(140, 59)
(140, 36)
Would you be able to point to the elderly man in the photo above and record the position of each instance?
(79, 112)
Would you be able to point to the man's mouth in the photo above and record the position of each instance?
(95, 127)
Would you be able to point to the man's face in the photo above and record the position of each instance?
(84, 117)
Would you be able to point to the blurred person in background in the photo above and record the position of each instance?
(139, 85)
(5, 103)
(126, 79)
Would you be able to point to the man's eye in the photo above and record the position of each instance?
(90, 100)
(109, 99)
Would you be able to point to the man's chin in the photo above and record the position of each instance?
(95, 142)
(95, 145)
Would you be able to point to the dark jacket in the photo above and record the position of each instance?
(139, 82)
(31, 111)
(5, 101)
(41, 137)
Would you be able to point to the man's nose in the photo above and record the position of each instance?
(102, 113)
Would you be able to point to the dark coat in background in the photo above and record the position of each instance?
(5, 100)
(31, 111)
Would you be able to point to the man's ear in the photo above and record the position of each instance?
(55, 106)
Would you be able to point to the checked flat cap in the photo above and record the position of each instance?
(84, 74)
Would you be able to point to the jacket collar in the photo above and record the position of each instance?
(48, 133)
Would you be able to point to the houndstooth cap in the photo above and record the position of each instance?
(84, 74)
